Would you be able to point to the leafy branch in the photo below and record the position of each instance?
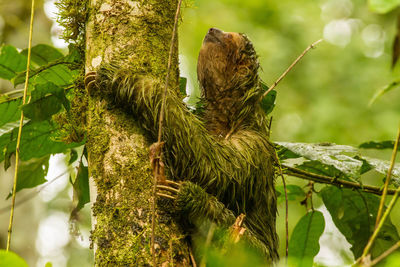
(323, 179)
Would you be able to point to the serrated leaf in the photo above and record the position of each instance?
(11, 62)
(354, 214)
(81, 188)
(294, 192)
(37, 141)
(268, 102)
(378, 145)
(46, 100)
(182, 85)
(383, 6)
(304, 242)
(9, 258)
(31, 173)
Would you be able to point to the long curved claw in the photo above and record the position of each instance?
(169, 189)
(90, 80)
(173, 184)
(166, 196)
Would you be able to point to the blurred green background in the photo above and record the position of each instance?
(324, 99)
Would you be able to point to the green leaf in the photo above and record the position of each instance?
(49, 65)
(182, 85)
(340, 157)
(81, 188)
(42, 54)
(37, 141)
(284, 153)
(10, 113)
(378, 145)
(383, 6)
(294, 192)
(55, 72)
(11, 62)
(332, 160)
(383, 91)
(304, 242)
(354, 214)
(46, 100)
(365, 167)
(317, 167)
(9, 258)
(31, 173)
(268, 102)
(382, 166)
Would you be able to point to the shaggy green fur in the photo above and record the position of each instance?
(237, 174)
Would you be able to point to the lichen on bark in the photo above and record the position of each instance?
(134, 34)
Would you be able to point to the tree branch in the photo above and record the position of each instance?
(323, 179)
(291, 67)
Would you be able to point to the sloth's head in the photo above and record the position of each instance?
(227, 61)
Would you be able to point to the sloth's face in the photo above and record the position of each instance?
(226, 60)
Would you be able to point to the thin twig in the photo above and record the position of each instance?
(160, 123)
(20, 129)
(380, 224)
(323, 179)
(291, 67)
(233, 129)
(389, 175)
(386, 253)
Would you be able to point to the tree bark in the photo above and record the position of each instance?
(135, 34)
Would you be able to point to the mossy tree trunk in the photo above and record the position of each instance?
(134, 33)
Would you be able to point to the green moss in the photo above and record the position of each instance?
(117, 144)
(72, 16)
(73, 123)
